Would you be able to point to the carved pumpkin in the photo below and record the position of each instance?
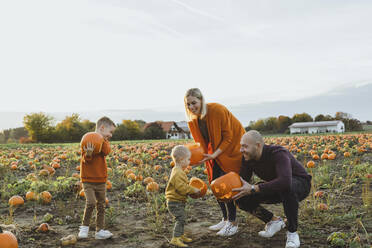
(196, 153)
(8, 239)
(199, 184)
(16, 201)
(222, 186)
(94, 138)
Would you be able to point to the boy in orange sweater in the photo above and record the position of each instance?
(93, 174)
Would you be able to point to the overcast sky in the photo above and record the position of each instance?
(73, 55)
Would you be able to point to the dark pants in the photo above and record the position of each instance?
(228, 209)
(300, 189)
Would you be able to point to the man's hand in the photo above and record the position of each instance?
(244, 190)
(89, 149)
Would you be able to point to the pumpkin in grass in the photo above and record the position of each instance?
(108, 185)
(44, 227)
(45, 196)
(310, 164)
(152, 187)
(324, 156)
(82, 193)
(323, 206)
(69, 240)
(95, 139)
(199, 184)
(148, 180)
(315, 156)
(30, 196)
(7, 239)
(197, 153)
(16, 201)
(319, 194)
(331, 156)
(222, 186)
(346, 154)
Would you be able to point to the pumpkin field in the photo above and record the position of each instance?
(42, 199)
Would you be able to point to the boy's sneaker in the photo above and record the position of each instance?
(271, 228)
(103, 234)
(293, 240)
(228, 230)
(218, 226)
(83, 232)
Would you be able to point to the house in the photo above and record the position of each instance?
(172, 130)
(317, 127)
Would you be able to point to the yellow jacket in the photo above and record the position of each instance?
(178, 186)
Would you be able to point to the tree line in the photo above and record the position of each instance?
(38, 127)
(280, 124)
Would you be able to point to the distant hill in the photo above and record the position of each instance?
(353, 100)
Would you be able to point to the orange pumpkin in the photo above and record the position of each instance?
(157, 167)
(152, 187)
(44, 227)
(82, 193)
(197, 153)
(148, 180)
(46, 197)
(322, 206)
(331, 156)
(131, 176)
(324, 156)
(310, 164)
(95, 139)
(16, 201)
(8, 239)
(346, 154)
(315, 156)
(108, 185)
(318, 194)
(30, 196)
(222, 186)
(199, 184)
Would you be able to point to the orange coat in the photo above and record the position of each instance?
(93, 169)
(225, 132)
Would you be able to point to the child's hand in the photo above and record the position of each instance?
(88, 149)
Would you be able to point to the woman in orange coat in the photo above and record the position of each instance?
(219, 133)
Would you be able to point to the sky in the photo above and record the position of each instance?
(86, 55)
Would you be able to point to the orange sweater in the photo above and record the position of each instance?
(225, 132)
(93, 169)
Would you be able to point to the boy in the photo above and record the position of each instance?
(176, 193)
(93, 174)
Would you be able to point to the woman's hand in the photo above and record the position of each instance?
(244, 190)
(207, 157)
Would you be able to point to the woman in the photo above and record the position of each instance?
(218, 132)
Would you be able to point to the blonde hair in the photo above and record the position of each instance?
(104, 121)
(195, 92)
(180, 152)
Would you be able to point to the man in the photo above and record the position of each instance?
(286, 181)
